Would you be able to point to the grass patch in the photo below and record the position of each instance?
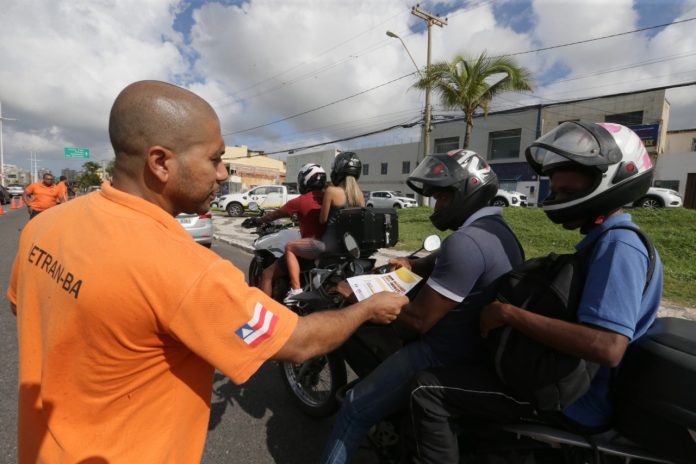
(671, 230)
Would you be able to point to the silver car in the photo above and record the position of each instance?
(200, 227)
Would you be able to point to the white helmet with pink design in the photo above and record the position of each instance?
(612, 154)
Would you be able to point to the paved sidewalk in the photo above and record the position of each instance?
(229, 230)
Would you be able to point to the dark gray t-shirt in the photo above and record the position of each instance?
(470, 259)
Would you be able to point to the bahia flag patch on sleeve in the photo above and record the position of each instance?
(259, 328)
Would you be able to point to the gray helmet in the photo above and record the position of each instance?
(463, 171)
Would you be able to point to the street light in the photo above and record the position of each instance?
(393, 35)
(2, 153)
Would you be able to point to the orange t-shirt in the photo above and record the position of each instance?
(42, 197)
(62, 189)
(121, 317)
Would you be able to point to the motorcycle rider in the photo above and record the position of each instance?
(311, 180)
(445, 312)
(594, 170)
(344, 192)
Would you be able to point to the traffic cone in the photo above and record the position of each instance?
(2, 210)
(20, 204)
(13, 205)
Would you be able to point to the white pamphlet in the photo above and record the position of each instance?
(399, 281)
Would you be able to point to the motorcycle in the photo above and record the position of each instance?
(315, 384)
(524, 443)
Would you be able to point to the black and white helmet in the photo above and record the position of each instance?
(612, 154)
(464, 171)
(311, 177)
(345, 164)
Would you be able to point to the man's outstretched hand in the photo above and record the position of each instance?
(385, 306)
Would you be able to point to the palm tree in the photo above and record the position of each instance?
(463, 83)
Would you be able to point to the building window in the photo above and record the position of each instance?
(406, 167)
(633, 118)
(693, 144)
(366, 169)
(504, 144)
(509, 185)
(384, 168)
(446, 144)
(667, 184)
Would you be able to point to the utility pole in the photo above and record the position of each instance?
(427, 117)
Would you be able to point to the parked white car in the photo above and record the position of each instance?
(265, 196)
(389, 199)
(659, 198)
(508, 198)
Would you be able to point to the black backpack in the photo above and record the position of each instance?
(551, 286)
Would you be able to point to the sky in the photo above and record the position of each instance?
(285, 74)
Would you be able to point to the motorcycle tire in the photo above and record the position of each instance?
(313, 383)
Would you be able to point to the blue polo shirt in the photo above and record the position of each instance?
(614, 298)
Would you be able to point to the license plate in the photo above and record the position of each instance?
(184, 220)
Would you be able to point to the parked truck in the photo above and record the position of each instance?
(265, 196)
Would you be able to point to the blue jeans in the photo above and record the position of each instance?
(383, 392)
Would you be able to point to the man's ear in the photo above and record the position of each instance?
(160, 161)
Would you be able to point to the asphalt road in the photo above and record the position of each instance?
(253, 423)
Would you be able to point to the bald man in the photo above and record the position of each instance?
(122, 317)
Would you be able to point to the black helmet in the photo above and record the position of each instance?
(345, 164)
(474, 182)
(612, 154)
(311, 177)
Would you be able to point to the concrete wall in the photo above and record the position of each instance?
(394, 156)
(681, 141)
(679, 160)
(294, 162)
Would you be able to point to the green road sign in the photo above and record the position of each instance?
(76, 152)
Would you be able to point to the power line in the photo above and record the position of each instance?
(397, 126)
(598, 38)
(319, 107)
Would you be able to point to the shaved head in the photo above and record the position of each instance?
(149, 113)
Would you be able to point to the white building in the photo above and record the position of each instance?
(502, 138)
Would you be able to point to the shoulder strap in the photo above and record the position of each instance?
(643, 238)
(499, 219)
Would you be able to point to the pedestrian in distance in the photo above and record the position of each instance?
(62, 187)
(41, 196)
(122, 318)
(594, 170)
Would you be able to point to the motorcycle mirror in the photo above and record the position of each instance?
(432, 243)
(351, 245)
(253, 206)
